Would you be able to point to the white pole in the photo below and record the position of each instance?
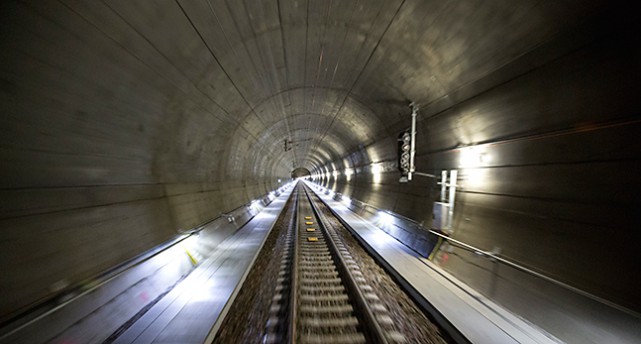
(443, 185)
(413, 141)
(450, 215)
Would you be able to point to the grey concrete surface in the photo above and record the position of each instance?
(123, 121)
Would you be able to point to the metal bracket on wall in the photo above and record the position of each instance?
(415, 108)
(448, 196)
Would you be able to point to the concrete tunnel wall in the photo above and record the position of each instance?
(559, 193)
(125, 121)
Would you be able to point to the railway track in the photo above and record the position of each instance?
(321, 295)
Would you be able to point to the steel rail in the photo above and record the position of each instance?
(372, 329)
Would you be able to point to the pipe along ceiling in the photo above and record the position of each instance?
(123, 121)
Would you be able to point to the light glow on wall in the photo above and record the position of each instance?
(473, 161)
(385, 219)
(376, 172)
(255, 206)
(380, 238)
(474, 156)
(348, 173)
(198, 289)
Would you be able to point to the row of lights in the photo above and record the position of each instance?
(384, 218)
(470, 158)
(256, 205)
(376, 170)
(472, 161)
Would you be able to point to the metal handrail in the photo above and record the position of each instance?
(500, 259)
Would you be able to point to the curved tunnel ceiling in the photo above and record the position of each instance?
(229, 78)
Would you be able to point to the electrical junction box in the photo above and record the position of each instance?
(440, 215)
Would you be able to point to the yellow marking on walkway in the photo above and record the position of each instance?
(193, 260)
(311, 229)
(312, 239)
(308, 217)
(309, 223)
(435, 249)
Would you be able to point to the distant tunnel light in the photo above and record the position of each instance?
(255, 205)
(335, 172)
(348, 173)
(376, 172)
(385, 219)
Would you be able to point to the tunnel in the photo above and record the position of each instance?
(301, 172)
(127, 123)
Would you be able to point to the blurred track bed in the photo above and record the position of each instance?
(334, 301)
(264, 298)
